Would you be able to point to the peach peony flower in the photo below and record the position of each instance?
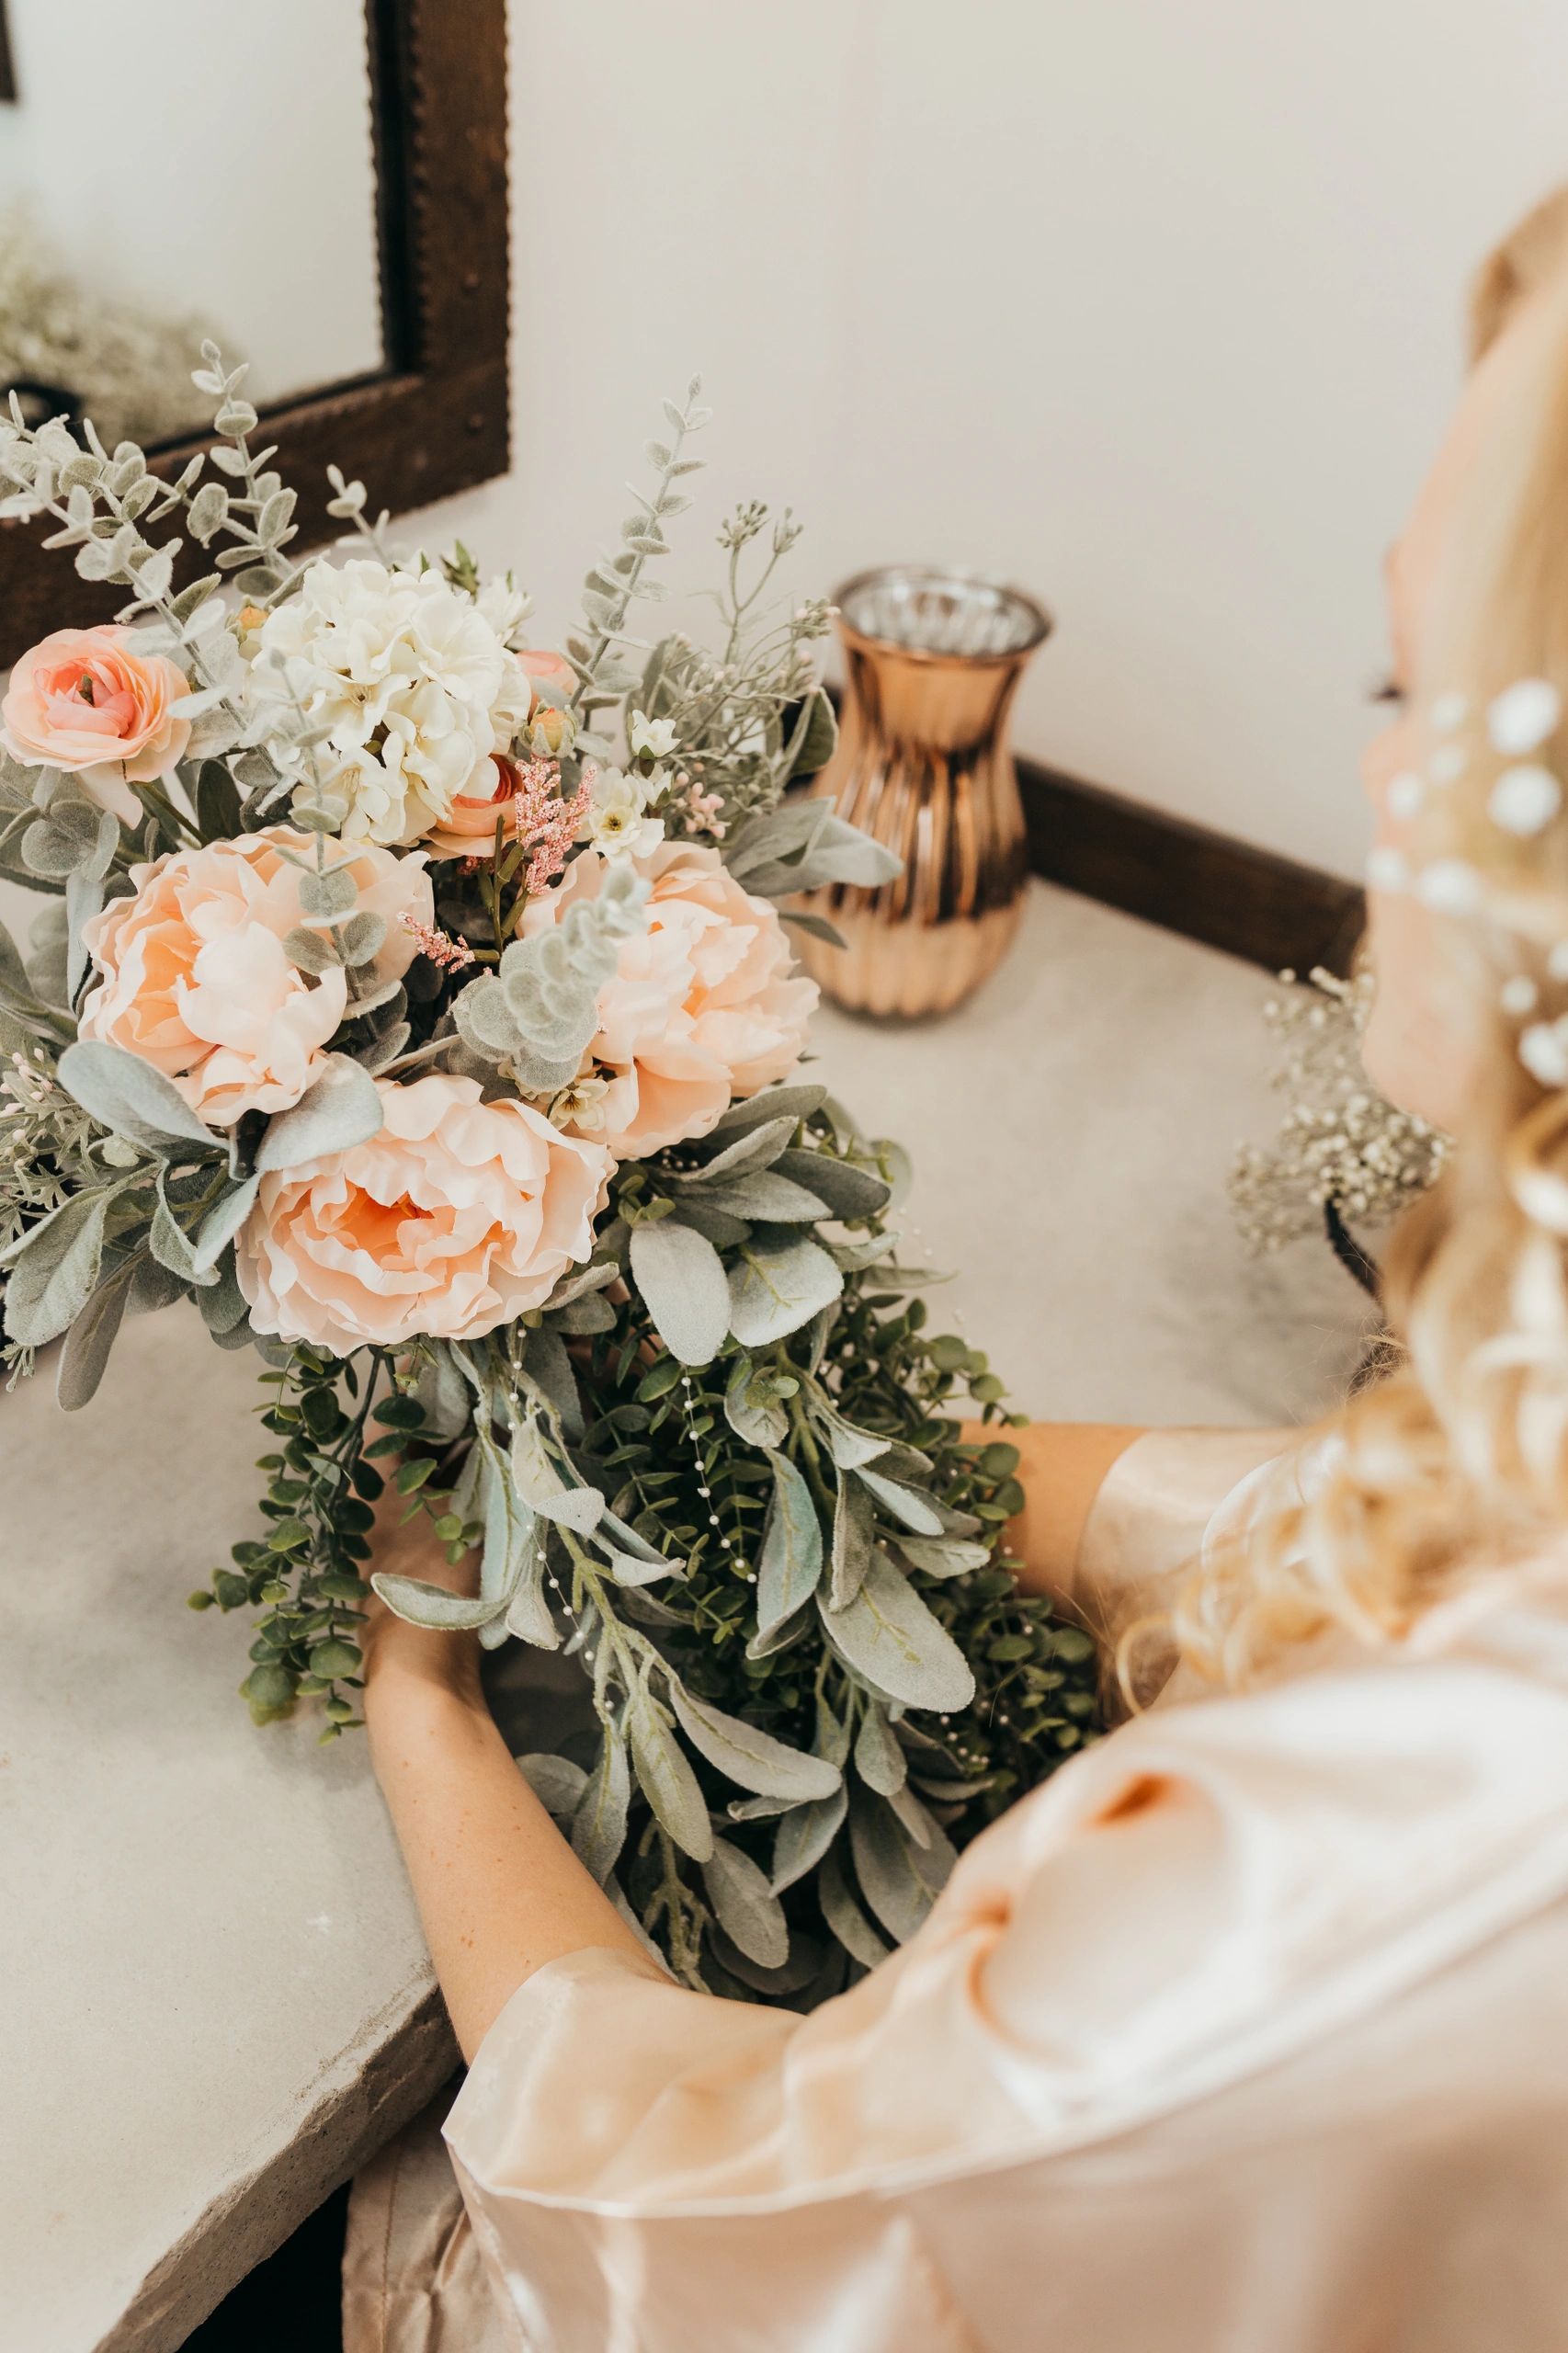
(459, 1216)
(704, 1006)
(83, 699)
(192, 974)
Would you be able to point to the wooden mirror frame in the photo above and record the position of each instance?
(433, 419)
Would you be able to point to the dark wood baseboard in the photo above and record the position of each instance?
(1210, 886)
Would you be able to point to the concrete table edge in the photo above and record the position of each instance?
(363, 2095)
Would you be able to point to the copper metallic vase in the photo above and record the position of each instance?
(933, 661)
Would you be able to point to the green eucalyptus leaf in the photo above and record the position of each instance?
(777, 1287)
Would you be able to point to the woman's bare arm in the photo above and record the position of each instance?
(1061, 1468)
(499, 1890)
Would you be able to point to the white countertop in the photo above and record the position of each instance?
(217, 1995)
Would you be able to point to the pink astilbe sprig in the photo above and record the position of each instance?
(443, 950)
(546, 824)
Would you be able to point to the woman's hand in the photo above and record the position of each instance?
(402, 1662)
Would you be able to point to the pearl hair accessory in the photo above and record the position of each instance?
(1524, 715)
(1524, 798)
(1543, 1050)
(1518, 995)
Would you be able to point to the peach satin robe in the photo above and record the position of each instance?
(1247, 2034)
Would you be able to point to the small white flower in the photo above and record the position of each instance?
(1449, 886)
(1543, 1050)
(1446, 763)
(1388, 870)
(1524, 715)
(618, 823)
(1405, 794)
(1518, 995)
(1525, 799)
(653, 739)
(1449, 711)
(580, 1105)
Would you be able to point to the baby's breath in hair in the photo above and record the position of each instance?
(1340, 1141)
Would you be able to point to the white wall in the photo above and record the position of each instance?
(1151, 303)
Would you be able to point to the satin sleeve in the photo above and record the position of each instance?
(1149, 1521)
(623, 2143)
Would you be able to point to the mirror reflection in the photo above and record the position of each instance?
(121, 247)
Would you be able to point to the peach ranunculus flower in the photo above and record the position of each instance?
(84, 700)
(459, 1216)
(192, 974)
(704, 1006)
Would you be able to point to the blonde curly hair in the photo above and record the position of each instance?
(1455, 1464)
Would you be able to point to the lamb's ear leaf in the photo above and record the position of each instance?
(556, 1782)
(750, 1756)
(889, 1635)
(666, 1777)
(222, 1222)
(89, 1340)
(804, 1837)
(598, 1821)
(745, 1905)
(430, 1604)
(343, 1108)
(56, 1275)
(879, 1759)
(131, 1096)
(844, 1915)
(908, 1505)
(681, 1277)
(899, 1878)
(791, 1564)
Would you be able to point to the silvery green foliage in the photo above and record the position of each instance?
(619, 579)
(536, 1016)
(106, 507)
(748, 714)
(803, 847)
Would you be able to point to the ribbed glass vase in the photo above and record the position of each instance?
(933, 660)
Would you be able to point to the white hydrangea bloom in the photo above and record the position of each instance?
(408, 682)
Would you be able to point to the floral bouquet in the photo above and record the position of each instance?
(448, 1054)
